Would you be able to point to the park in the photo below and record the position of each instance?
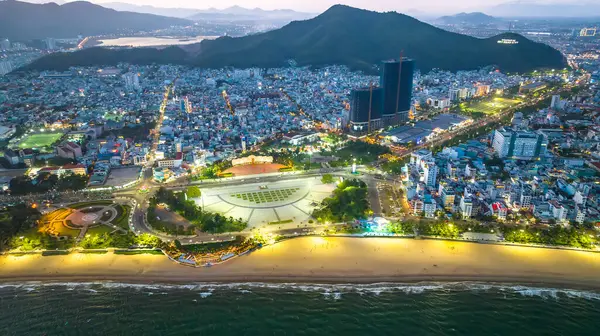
(77, 224)
(39, 140)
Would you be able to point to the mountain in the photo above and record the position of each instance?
(532, 9)
(475, 18)
(25, 21)
(360, 38)
(145, 9)
(353, 37)
(237, 13)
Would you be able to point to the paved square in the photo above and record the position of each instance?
(262, 204)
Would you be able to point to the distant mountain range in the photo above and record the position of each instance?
(25, 21)
(237, 13)
(234, 13)
(341, 35)
(475, 18)
(181, 13)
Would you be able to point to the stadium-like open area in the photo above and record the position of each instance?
(490, 106)
(268, 204)
(39, 140)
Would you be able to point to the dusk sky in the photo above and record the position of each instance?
(321, 5)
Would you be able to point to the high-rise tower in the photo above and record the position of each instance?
(397, 84)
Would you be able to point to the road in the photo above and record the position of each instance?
(476, 125)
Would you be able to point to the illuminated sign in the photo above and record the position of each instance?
(508, 41)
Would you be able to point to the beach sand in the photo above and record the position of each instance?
(329, 260)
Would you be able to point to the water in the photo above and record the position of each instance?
(289, 309)
(152, 41)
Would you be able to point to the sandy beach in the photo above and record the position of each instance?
(329, 260)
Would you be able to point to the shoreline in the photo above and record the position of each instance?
(548, 283)
(312, 260)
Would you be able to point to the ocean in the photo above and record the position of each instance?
(295, 309)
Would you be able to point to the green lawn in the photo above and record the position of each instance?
(491, 106)
(122, 219)
(57, 228)
(40, 140)
(98, 230)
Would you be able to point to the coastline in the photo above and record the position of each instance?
(311, 260)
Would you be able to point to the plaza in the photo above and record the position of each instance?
(262, 204)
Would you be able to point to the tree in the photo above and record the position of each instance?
(349, 202)
(327, 179)
(18, 218)
(148, 240)
(193, 192)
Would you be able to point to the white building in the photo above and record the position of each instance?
(139, 160)
(169, 163)
(519, 144)
(454, 95)
(430, 172)
(438, 103)
(419, 156)
(4, 44)
(132, 81)
(429, 207)
(559, 212)
(5, 67)
(50, 44)
(466, 207)
(580, 216)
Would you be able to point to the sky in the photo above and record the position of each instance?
(316, 6)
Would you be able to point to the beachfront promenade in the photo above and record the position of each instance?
(336, 260)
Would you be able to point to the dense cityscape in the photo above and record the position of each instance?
(208, 165)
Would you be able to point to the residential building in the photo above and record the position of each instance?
(5, 67)
(500, 210)
(69, 150)
(559, 212)
(430, 170)
(466, 207)
(429, 207)
(132, 81)
(519, 144)
(447, 195)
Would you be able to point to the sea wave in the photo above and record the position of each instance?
(334, 291)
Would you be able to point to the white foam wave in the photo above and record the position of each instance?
(329, 290)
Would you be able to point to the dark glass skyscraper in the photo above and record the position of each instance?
(397, 85)
(361, 104)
